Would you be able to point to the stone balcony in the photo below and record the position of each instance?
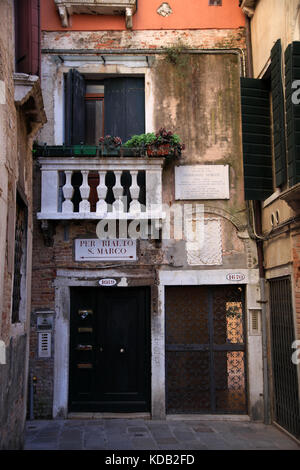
(95, 188)
(125, 8)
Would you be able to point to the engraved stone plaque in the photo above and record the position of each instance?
(202, 182)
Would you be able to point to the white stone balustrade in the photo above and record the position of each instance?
(53, 208)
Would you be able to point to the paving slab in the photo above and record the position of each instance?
(144, 434)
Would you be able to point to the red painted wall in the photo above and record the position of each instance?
(187, 14)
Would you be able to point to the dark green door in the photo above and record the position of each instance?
(109, 350)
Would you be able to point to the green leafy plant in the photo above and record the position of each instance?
(161, 143)
(141, 141)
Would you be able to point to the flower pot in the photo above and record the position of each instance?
(85, 150)
(161, 151)
(109, 152)
(131, 152)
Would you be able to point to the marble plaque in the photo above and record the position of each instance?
(90, 249)
(202, 182)
(210, 252)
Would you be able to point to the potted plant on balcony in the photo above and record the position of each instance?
(160, 144)
(138, 144)
(110, 145)
(166, 144)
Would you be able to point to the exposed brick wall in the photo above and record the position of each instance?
(118, 40)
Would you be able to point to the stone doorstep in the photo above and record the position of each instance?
(109, 416)
(200, 417)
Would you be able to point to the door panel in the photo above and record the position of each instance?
(109, 349)
(205, 349)
(285, 380)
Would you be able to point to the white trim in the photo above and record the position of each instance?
(88, 68)
(272, 198)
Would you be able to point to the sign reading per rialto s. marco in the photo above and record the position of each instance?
(95, 249)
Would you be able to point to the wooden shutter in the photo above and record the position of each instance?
(124, 107)
(256, 130)
(278, 115)
(27, 29)
(74, 108)
(292, 73)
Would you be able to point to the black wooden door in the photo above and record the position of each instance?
(109, 350)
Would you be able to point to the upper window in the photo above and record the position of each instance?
(27, 36)
(113, 106)
(216, 3)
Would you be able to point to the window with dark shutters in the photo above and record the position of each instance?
(27, 36)
(278, 116)
(123, 103)
(257, 148)
(292, 73)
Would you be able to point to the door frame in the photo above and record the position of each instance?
(254, 364)
(102, 299)
(65, 279)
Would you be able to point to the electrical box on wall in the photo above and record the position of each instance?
(44, 328)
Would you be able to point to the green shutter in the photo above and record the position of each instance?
(256, 130)
(292, 73)
(278, 115)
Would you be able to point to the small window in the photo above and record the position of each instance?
(215, 3)
(19, 287)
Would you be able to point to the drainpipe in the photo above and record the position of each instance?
(260, 254)
(263, 302)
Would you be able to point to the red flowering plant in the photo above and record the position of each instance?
(166, 143)
(110, 142)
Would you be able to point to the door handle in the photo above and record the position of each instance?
(122, 350)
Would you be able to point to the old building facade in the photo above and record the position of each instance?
(21, 116)
(270, 108)
(152, 320)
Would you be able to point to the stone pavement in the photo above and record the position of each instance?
(145, 434)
